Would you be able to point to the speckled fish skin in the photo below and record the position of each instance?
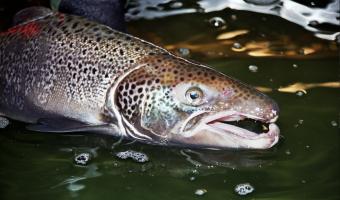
(63, 60)
(64, 66)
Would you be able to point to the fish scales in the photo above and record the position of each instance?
(62, 73)
(66, 58)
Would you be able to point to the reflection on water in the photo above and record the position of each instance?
(228, 44)
(228, 33)
(309, 17)
(305, 86)
(296, 87)
(287, 59)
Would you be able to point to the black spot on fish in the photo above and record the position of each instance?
(79, 30)
(121, 52)
(75, 25)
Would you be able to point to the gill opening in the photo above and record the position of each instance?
(133, 132)
(111, 105)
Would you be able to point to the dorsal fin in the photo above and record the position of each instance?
(30, 14)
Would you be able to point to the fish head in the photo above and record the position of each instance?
(169, 100)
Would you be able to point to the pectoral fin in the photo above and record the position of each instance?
(65, 125)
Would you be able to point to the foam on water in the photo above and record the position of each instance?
(244, 189)
(134, 155)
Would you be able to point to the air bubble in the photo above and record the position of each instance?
(300, 93)
(176, 5)
(184, 51)
(253, 68)
(313, 23)
(295, 65)
(82, 159)
(4, 122)
(244, 189)
(237, 45)
(134, 155)
(75, 187)
(233, 17)
(200, 192)
(217, 22)
(334, 123)
(192, 178)
(195, 171)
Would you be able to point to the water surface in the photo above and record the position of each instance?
(295, 66)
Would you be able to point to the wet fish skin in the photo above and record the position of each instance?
(63, 73)
(61, 60)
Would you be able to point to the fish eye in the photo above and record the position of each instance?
(194, 96)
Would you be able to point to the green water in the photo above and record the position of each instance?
(304, 164)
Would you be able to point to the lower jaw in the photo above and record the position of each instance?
(206, 136)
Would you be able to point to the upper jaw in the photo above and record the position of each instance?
(232, 136)
(231, 115)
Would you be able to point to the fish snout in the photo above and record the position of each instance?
(257, 105)
(266, 109)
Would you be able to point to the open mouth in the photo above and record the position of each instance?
(235, 129)
(250, 131)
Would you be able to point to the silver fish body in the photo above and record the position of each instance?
(61, 59)
(63, 73)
